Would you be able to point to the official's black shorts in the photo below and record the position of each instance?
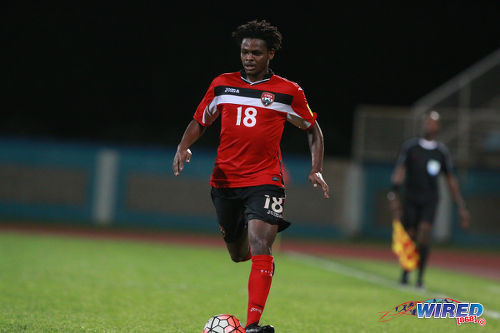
(236, 206)
(416, 211)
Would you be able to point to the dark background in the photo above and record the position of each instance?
(134, 74)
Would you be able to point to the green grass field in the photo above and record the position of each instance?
(63, 284)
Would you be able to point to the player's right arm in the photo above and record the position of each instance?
(192, 133)
(205, 114)
(397, 178)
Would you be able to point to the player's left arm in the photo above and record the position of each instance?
(457, 197)
(317, 147)
(397, 178)
(447, 169)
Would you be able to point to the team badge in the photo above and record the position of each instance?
(433, 167)
(267, 98)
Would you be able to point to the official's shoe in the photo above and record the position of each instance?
(254, 328)
(420, 285)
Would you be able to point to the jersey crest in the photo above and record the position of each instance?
(267, 98)
(433, 167)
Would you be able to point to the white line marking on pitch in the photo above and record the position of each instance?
(335, 267)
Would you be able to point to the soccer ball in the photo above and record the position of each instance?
(223, 323)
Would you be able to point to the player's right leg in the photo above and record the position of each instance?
(409, 221)
(232, 222)
(239, 249)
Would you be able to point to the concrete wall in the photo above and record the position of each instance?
(110, 185)
(134, 186)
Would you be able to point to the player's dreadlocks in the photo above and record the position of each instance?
(261, 30)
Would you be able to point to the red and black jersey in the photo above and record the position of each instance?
(253, 116)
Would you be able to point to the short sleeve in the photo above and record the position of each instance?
(302, 116)
(207, 112)
(447, 165)
(403, 152)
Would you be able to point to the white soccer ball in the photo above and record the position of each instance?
(223, 323)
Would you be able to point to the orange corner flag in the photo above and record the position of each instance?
(404, 247)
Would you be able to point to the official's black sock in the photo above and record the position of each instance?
(404, 277)
(422, 264)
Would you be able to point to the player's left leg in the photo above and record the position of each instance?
(264, 211)
(424, 237)
(261, 236)
(423, 241)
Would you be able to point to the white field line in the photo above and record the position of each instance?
(338, 268)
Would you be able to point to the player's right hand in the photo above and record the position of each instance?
(395, 205)
(181, 156)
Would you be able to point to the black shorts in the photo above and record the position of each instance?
(236, 206)
(416, 211)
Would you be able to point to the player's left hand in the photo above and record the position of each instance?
(464, 218)
(316, 178)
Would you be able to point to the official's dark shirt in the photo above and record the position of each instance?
(424, 161)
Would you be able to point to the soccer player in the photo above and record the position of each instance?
(419, 163)
(247, 180)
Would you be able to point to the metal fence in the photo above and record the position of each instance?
(469, 105)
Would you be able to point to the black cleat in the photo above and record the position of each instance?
(254, 328)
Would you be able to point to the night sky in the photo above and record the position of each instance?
(134, 75)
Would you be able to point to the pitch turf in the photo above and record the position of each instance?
(63, 284)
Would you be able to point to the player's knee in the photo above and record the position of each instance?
(260, 246)
(237, 258)
(240, 256)
(424, 236)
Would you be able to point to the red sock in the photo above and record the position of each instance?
(259, 284)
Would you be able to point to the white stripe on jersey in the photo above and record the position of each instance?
(292, 116)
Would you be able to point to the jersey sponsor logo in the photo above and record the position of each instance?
(276, 215)
(267, 98)
(433, 167)
(232, 90)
